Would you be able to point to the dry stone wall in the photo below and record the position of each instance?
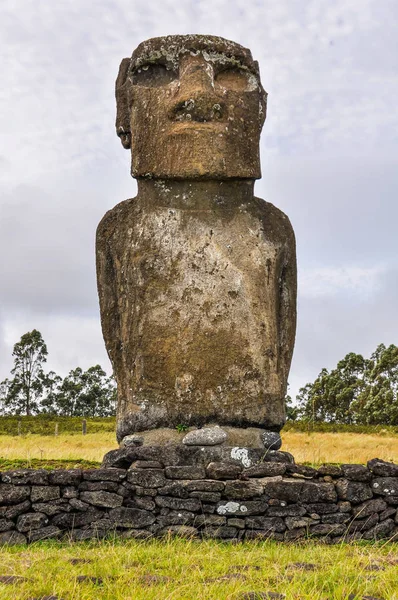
(142, 492)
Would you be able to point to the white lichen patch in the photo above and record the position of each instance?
(231, 507)
(241, 454)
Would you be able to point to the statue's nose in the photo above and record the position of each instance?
(196, 99)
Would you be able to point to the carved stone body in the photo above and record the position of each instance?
(196, 276)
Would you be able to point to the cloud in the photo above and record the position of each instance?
(329, 160)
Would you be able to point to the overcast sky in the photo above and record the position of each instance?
(329, 160)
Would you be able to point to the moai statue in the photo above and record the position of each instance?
(196, 276)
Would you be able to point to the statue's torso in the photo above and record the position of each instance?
(193, 312)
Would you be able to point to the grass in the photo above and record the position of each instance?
(189, 570)
(69, 450)
(177, 569)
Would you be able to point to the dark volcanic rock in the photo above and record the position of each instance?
(26, 477)
(102, 499)
(131, 517)
(217, 470)
(65, 477)
(353, 491)
(147, 478)
(356, 472)
(381, 468)
(30, 521)
(104, 475)
(385, 486)
(10, 494)
(242, 490)
(40, 493)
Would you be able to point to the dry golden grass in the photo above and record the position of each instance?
(92, 446)
(318, 448)
(314, 448)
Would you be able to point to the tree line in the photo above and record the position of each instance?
(31, 391)
(357, 391)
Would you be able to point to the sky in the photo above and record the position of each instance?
(329, 153)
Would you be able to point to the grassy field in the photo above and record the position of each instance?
(178, 569)
(190, 570)
(313, 448)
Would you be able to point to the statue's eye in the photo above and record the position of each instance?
(153, 75)
(235, 79)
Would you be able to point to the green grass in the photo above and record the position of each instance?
(50, 465)
(180, 569)
(45, 425)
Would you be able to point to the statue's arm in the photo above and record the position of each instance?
(107, 286)
(287, 299)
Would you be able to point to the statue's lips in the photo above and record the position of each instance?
(193, 127)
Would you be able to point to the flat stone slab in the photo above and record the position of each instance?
(208, 436)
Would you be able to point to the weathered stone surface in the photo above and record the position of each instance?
(95, 486)
(336, 518)
(211, 520)
(278, 456)
(190, 504)
(10, 494)
(353, 491)
(385, 486)
(206, 496)
(174, 488)
(303, 491)
(243, 508)
(77, 504)
(121, 458)
(30, 521)
(10, 512)
(25, 477)
(65, 477)
(321, 508)
(44, 533)
(301, 470)
(271, 440)
(102, 499)
(205, 486)
(332, 470)
(380, 531)
(167, 320)
(243, 489)
(266, 469)
(104, 475)
(381, 468)
(69, 492)
(52, 508)
(42, 493)
(217, 470)
(147, 478)
(185, 472)
(293, 510)
(75, 520)
(12, 538)
(131, 517)
(298, 522)
(268, 523)
(208, 436)
(6, 524)
(368, 508)
(356, 472)
(132, 440)
(176, 517)
(147, 464)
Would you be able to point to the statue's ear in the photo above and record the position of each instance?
(122, 105)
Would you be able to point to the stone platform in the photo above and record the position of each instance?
(223, 493)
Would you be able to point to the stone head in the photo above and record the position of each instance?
(191, 107)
